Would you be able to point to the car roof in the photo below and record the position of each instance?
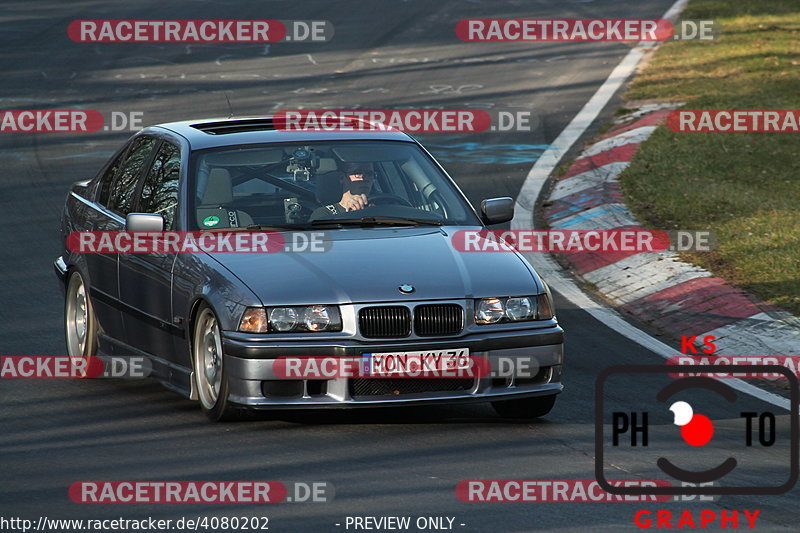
(213, 132)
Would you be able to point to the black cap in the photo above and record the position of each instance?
(356, 167)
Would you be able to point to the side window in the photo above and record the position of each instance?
(160, 188)
(122, 194)
(108, 178)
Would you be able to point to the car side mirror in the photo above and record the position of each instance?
(144, 222)
(497, 210)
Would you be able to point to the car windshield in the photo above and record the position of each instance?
(313, 184)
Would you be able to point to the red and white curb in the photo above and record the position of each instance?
(537, 179)
(673, 296)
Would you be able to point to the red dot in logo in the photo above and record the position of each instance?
(698, 431)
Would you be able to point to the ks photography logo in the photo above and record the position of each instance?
(675, 434)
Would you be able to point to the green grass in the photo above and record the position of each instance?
(744, 187)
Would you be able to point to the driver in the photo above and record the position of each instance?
(357, 183)
(357, 179)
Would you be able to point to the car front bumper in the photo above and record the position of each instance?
(524, 363)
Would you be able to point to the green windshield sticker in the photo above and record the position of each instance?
(211, 221)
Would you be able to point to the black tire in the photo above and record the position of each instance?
(210, 371)
(525, 407)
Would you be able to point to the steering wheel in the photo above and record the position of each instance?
(385, 198)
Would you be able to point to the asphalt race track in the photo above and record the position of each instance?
(398, 462)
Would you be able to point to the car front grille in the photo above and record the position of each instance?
(438, 319)
(395, 321)
(385, 322)
(400, 386)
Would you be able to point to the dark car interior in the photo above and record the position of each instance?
(269, 186)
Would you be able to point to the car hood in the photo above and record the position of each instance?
(369, 264)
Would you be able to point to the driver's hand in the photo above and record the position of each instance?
(353, 202)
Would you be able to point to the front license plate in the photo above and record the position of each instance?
(443, 363)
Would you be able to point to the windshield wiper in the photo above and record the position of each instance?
(271, 227)
(376, 221)
(260, 227)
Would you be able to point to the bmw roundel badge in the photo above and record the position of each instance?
(405, 288)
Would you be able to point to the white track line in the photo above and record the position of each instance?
(532, 188)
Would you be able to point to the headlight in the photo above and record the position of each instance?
(283, 318)
(489, 311)
(291, 319)
(519, 309)
(320, 318)
(514, 309)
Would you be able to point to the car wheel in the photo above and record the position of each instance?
(80, 325)
(525, 407)
(209, 367)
